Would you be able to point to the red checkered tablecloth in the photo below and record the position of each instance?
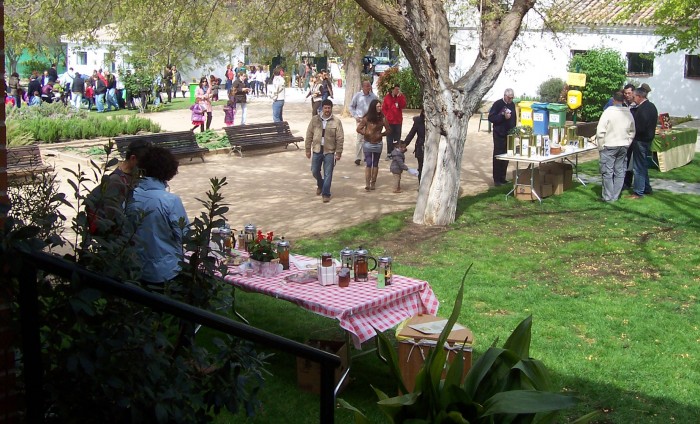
(361, 308)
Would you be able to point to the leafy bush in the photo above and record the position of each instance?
(605, 73)
(34, 64)
(550, 90)
(211, 140)
(109, 360)
(52, 122)
(504, 385)
(408, 82)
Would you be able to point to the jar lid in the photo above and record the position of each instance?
(385, 259)
(249, 228)
(346, 252)
(362, 252)
(282, 243)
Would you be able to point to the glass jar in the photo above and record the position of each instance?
(384, 273)
(283, 253)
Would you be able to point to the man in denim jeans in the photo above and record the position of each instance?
(325, 137)
(645, 119)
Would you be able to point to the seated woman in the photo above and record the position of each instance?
(47, 93)
(160, 218)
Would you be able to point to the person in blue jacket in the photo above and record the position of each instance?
(160, 218)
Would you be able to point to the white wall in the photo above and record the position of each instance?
(539, 55)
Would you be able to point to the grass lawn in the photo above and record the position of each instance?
(689, 173)
(178, 103)
(613, 290)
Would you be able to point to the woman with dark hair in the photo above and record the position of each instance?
(418, 130)
(277, 94)
(160, 216)
(204, 94)
(372, 127)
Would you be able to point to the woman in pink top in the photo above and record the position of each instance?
(204, 95)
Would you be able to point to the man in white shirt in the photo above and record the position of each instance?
(614, 135)
(358, 108)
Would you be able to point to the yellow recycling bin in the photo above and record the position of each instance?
(525, 113)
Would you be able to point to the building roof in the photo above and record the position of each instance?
(604, 13)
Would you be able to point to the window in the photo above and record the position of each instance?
(640, 64)
(453, 54)
(577, 52)
(692, 66)
(81, 58)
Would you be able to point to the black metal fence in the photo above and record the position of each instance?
(29, 313)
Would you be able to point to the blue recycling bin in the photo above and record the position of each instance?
(540, 119)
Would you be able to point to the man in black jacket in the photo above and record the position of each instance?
(645, 119)
(502, 116)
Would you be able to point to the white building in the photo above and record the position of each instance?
(538, 55)
(105, 52)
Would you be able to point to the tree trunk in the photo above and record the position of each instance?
(353, 70)
(421, 28)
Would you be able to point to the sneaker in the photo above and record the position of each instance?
(634, 197)
(357, 162)
(318, 192)
(387, 158)
(326, 199)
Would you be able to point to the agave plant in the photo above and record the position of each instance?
(504, 386)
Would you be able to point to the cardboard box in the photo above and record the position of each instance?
(523, 177)
(525, 192)
(556, 181)
(309, 372)
(414, 346)
(568, 178)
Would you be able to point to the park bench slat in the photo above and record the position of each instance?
(25, 161)
(255, 136)
(182, 144)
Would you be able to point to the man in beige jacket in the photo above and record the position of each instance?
(614, 134)
(325, 137)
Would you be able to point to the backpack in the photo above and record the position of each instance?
(95, 208)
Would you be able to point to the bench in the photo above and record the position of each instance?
(257, 136)
(182, 144)
(24, 162)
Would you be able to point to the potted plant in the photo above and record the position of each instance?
(263, 257)
(504, 385)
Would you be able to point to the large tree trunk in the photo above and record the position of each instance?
(422, 30)
(353, 70)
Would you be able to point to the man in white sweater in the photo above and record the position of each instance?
(614, 134)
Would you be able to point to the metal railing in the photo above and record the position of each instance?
(28, 298)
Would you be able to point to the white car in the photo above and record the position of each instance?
(381, 64)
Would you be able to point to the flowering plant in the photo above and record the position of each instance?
(262, 249)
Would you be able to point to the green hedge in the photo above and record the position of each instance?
(50, 123)
(409, 86)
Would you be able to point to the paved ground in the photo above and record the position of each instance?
(274, 188)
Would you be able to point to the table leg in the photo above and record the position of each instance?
(575, 165)
(515, 182)
(532, 182)
(233, 305)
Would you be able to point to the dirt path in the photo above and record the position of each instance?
(274, 189)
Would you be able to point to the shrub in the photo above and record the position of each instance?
(52, 122)
(106, 359)
(605, 73)
(550, 90)
(35, 65)
(409, 86)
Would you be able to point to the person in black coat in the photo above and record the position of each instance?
(502, 116)
(645, 119)
(418, 131)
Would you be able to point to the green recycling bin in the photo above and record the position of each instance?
(193, 88)
(557, 115)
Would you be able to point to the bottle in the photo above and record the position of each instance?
(241, 241)
(283, 253)
(384, 273)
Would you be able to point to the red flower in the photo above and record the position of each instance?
(269, 236)
(260, 235)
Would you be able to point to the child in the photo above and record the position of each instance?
(397, 164)
(198, 112)
(35, 100)
(183, 89)
(90, 96)
(230, 112)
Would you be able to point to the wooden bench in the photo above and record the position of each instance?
(24, 162)
(257, 136)
(182, 144)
